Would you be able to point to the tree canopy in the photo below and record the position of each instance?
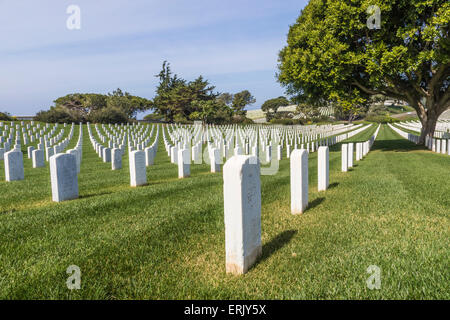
(179, 100)
(115, 107)
(270, 107)
(5, 116)
(332, 56)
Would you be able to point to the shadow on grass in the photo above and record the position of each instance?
(397, 145)
(91, 195)
(275, 244)
(333, 185)
(315, 203)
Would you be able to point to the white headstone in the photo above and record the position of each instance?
(49, 153)
(106, 155)
(242, 206)
(323, 168)
(29, 151)
(14, 165)
(299, 180)
(215, 160)
(38, 158)
(138, 171)
(74, 152)
(64, 178)
(149, 156)
(184, 163)
(350, 155)
(116, 159)
(358, 151)
(344, 157)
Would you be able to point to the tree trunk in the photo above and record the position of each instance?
(428, 126)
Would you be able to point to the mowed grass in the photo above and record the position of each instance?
(166, 240)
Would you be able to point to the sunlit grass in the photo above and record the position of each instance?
(166, 240)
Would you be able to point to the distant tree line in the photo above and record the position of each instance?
(176, 100)
(5, 116)
(179, 100)
(115, 107)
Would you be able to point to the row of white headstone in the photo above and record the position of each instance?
(362, 149)
(64, 170)
(442, 129)
(30, 134)
(13, 160)
(436, 145)
(242, 198)
(138, 137)
(214, 153)
(242, 202)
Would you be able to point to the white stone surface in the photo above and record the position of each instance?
(358, 151)
(106, 155)
(215, 160)
(29, 151)
(49, 153)
(138, 171)
(74, 152)
(38, 158)
(14, 165)
(116, 159)
(299, 181)
(174, 155)
(350, 155)
(323, 170)
(344, 157)
(63, 176)
(242, 209)
(268, 154)
(184, 163)
(149, 156)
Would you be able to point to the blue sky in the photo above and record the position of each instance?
(234, 44)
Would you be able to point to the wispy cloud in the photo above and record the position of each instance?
(123, 43)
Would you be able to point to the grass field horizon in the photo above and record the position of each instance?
(166, 240)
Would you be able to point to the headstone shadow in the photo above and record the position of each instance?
(333, 185)
(315, 203)
(276, 244)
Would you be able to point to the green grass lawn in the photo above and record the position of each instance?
(166, 240)
(395, 109)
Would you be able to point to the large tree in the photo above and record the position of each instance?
(240, 101)
(117, 106)
(174, 95)
(271, 106)
(334, 55)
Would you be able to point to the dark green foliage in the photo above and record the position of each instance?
(270, 107)
(179, 100)
(332, 56)
(117, 106)
(381, 119)
(108, 115)
(59, 114)
(5, 116)
(288, 122)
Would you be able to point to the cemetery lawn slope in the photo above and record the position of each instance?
(166, 240)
